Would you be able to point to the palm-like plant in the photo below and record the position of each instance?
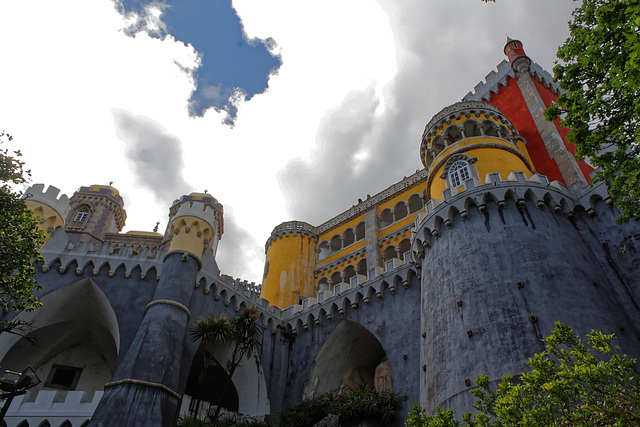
(243, 332)
(209, 330)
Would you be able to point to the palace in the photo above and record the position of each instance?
(458, 270)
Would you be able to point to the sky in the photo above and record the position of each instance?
(281, 109)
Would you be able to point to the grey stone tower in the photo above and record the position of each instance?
(143, 391)
(93, 212)
(502, 259)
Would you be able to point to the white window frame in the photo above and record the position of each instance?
(458, 173)
(82, 215)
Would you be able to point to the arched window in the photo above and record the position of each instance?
(350, 275)
(323, 250)
(403, 248)
(336, 244)
(348, 236)
(453, 134)
(82, 214)
(323, 284)
(386, 218)
(415, 203)
(360, 231)
(399, 211)
(471, 128)
(336, 278)
(458, 173)
(361, 268)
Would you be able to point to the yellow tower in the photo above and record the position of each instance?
(195, 225)
(48, 209)
(469, 140)
(291, 258)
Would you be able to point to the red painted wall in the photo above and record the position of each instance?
(511, 102)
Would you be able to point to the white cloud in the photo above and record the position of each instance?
(68, 65)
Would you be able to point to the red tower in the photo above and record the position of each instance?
(522, 90)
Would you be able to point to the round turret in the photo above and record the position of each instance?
(515, 52)
(195, 224)
(48, 209)
(291, 255)
(467, 141)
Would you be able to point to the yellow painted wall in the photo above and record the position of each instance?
(327, 272)
(395, 239)
(397, 225)
(417, 189)
(291, 260)
(489, 160)
(353, 223)
(45, 217)
(190, 241)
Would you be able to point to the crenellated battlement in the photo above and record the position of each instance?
(516, 188)
(145, 260)
(335, 303)
(240, 284)
(200, 205)
(198, 210)
(50, 198)
(494, 80)
(53, 407)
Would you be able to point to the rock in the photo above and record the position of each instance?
(383, 379)
(330, 420)
(356, 377)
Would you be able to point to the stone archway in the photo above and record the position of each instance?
(211, 384)
(74, 342)
(351, 356)
(246, 391)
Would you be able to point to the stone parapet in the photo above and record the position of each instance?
(291, 227)
(50, 198)
(494, 80)
(198, 210)
(54, 407)
(357, 210)
(330, 305)
(516, 187)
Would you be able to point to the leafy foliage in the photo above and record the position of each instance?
(243, 332)
(225, 421)
(570, 384)
(20, 240)
(361, 404)
(600, 72)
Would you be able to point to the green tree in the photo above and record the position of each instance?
(600, 74)
(570, 384)
(242, 332)
(20, 241)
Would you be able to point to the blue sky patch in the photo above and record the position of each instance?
(230, 62)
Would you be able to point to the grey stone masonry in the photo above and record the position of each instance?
(553, 142)
(371, 238)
